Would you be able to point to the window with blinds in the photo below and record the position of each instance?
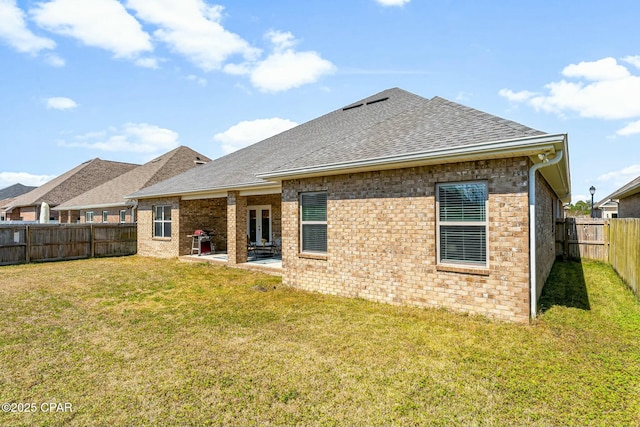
(313, 222)
(162, 221)
(462, 223)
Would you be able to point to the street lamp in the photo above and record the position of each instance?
(592, 190)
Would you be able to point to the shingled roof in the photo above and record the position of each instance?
(112, 192)
(72, 183)
(626, 190)
(15, 190)
(390, 123)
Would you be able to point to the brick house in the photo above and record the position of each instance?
(72, 183)
(628, 197)
(394, 198)
(7, 195)
(106, 203)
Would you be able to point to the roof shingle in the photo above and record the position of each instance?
(72, 183)
(392, 122)
(112, 192)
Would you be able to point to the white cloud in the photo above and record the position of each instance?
(393, 2)
(13, 29)
(521, 96)
(622, 176)
(199, 80)
(603, 69)
(61, 103)
(604, 90)
(132, 137)
(54, 60)
(99, 23)
(633, 60)
(285, 68)
(192, 28)
(249, 132)
(630, 129)
(24, 178)
(147, 62)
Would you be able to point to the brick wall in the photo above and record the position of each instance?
(29, 213)
(382, 239)
(113, 215)
(629, 207)
(546, 205)
(203, 214)
(153, 246)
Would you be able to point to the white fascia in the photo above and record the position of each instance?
(217, 192)
(125, 203)
(528, 146)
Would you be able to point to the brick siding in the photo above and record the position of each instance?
(546, 203)
(629, 207)
(153, 246)
(113, 215)
(382, 239)
(203, 214)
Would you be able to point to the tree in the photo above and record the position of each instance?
(580, 208)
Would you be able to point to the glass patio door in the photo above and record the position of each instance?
(259, 223)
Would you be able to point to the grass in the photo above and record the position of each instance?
(137, 341)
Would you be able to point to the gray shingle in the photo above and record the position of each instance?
(389, 123)
(112, 192)
(15, 190)
(73, 182)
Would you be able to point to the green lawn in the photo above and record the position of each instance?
(138, 341)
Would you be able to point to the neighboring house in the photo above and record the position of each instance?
(106, 203)
(606, 208)
(628, 197)
(7, 194)
(64, 187)
(394, 198)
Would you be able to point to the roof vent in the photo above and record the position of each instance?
(377, 100)
(352, 107)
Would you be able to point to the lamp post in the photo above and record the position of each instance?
(592, 190)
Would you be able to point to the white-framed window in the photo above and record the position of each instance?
(105, 216)
(162, 221)
(462, 223)
(123, 216)
(313, 222)
(88, 217)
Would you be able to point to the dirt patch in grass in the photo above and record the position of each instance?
(138, 341)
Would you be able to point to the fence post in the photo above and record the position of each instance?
(605, 236)
(565, 234)
(92, 242)
(27, 236)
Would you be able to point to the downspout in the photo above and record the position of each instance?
(532, 227)
(134, 213)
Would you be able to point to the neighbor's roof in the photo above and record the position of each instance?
(368, 133)
(112, 192)
(72, 183)
(626, 190)
(15, 190)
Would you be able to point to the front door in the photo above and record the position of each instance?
(259, 224)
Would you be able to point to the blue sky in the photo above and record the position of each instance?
(129, 80)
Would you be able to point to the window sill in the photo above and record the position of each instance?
(307, 255)
(162, 239)
(480, 271)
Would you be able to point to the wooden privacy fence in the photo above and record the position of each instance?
(582, 238)
(615, 241)
(624, 250)
(53, 242)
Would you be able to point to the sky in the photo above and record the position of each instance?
(129, 80)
